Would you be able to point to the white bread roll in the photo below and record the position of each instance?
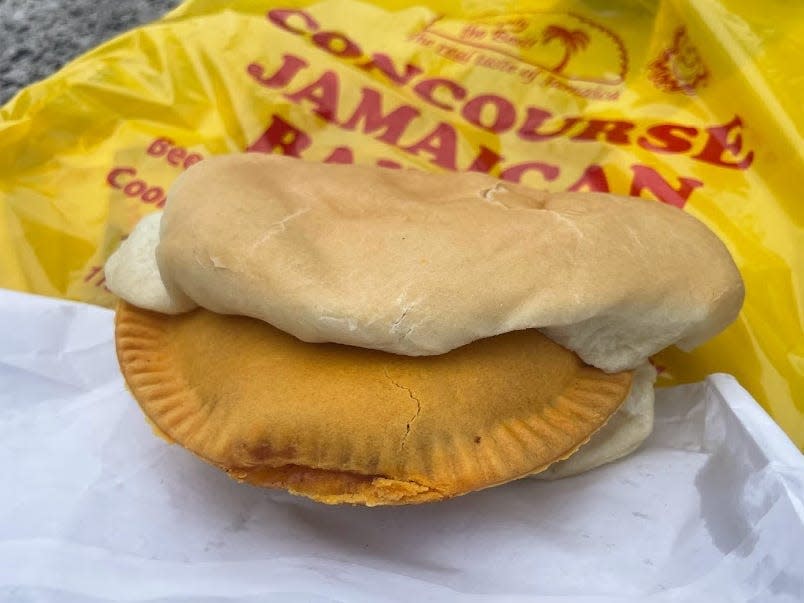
(132, 273)
(416, 263)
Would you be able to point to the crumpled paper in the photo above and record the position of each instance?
(95, 508)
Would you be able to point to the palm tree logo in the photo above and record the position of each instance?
(573, 41)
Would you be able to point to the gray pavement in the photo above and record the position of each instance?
(39, 36)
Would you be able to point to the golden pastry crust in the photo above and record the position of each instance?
(342, 424)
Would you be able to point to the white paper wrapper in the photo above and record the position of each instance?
(95, 508)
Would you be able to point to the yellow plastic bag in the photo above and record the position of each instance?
(695, 103)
